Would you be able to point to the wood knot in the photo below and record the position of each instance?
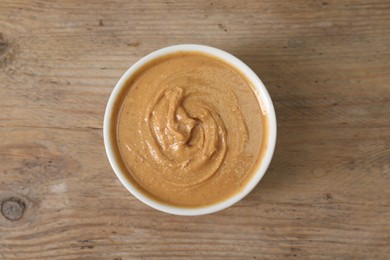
(3, 43)
(6, 51)
(13, 208)
(328, 196)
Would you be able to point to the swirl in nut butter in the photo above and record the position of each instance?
(190, 130)
(185, 136)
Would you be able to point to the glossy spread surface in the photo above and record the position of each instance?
(190, 130)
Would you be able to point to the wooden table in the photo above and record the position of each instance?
(326, 65)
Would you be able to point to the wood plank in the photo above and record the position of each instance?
(326, 65)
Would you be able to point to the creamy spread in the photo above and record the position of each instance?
(190, 129)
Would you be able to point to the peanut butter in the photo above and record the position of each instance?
(190, 130)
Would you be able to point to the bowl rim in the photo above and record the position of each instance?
(261, 93)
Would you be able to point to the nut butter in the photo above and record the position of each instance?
(189, 129)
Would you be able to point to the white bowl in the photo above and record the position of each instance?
(262, 95)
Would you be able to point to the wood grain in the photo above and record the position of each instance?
(326, 65)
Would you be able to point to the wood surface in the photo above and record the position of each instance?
(326, 65)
